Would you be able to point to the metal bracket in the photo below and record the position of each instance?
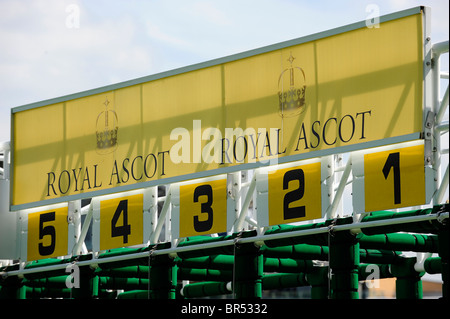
(428, 137)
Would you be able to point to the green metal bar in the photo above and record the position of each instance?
(318, 279)
(116, 283)
(433, 265)
(408, 284)
(344, 261)
(315, 239)
(12, 288)
(379, 256)
(45, 292)
(287, 265)
(138, 271)
(203, 274)
(198, 240)
(444, 253)
(204, 289)
(248, 272)
(163, 277)
(88, 284)
(134, 294)
(214, 262)
(280, 281)
(365, 270)
(401, 242)
(299, 251)
(432, 226)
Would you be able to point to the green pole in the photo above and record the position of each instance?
(12, 288)
(344, 262)
(444, 240)
(248, 272)
(163, 277)
(318, 279)
(408, 284)
(87, 283)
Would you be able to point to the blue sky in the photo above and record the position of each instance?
(51, 48)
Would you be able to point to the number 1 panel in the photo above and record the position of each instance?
(389, 177)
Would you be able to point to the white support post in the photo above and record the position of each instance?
(162, 218)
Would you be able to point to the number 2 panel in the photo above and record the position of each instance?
(295, 194)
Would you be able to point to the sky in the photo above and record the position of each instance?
(51, 48)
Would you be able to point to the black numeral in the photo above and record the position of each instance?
(48, 230)
(125, 229)
(294, 195)
(205, 225)
(393, 161)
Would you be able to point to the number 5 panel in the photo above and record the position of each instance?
(47, 233)
(290, 193)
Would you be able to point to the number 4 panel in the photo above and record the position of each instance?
(118, 221)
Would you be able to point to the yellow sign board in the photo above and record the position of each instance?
(121, 221)
(345, 88)
(47, 234)
(295, 194)
(394, 178)
(203, 208)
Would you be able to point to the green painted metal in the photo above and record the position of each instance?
(12, 288)
(433, 265)
(318, 279)
(444, 253)
(299, 251)
(248, 272)
(344, 261)
(133, 294)
(163, 277)
(205, 289)
(138, 271)
(412, 227)
(280, 281)
(205, 274)
(401, 242)
(379, 256)
(408, 284)
(120, 283)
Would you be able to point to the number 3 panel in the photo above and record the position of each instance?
(289, 193)
(199, 207)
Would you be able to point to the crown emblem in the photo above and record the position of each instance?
(291, 90)
(106, 130)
